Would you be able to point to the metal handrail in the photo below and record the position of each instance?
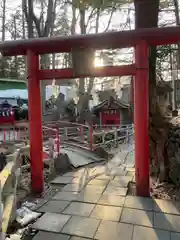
(127, 128)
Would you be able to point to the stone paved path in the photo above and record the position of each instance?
(93, 205)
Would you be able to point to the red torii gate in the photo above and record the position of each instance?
(140, 39)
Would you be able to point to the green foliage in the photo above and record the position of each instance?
(163, 51)
(50, 103)
(163, 56)
(12, 67)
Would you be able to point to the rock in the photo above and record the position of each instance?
(62, 163)
(173, 154)
(100, 152)
(174, 171)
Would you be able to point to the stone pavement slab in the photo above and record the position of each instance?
(130, 165)
(175, 236)
(106, 213)
(79, 238)
(94, 189)
(116, 191)
(116, 171)
(98, 170)
(167, 222)
(51, 222)
(118, 183)
(69, 196)
(75, 174)
(130, 173)
(79, 180)
(89, 197)
(109, 230)
(104, 177)
(80, 209)
(122, 179)
(144, 233)
(72, 188)
(172, 207)
(62, 180)
(53, 236)
(139, 203)
(54, 206)
(81, 226)
(98, 182)
(137, 217)
(111, 200)
(39, 202)
(130, 169)
(51, 191)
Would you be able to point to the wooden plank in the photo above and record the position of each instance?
(5, 173)
(9, 204)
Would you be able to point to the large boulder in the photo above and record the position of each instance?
(62, 163)
(101, 153)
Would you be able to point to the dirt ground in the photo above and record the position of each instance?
(166, 191)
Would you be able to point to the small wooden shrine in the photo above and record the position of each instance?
(113, 112)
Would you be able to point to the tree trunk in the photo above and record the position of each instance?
(81, 91)
(83, 31)
(23, 23)
(157, 132)
(3, 34)
(150, 9)
(24, 37)
(15, 36)
(44, 29)
(30, 19)
(83, 103)
(3, 19)
(176, 12)
(74, 20)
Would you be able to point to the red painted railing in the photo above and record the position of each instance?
(73, 134)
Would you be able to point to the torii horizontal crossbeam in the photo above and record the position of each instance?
(67, 73)
(153, 36)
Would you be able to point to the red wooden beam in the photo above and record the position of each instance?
(153, 36)
(141, 117)
(124, 70)
(35, 123)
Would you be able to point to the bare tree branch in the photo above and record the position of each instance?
(37, 23)
(49, 19)
(110, 18)
(91, 15)
(25, 9)
(90, 85)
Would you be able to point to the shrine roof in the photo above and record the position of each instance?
(108, 40)
(109, 103)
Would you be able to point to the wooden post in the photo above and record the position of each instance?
(91, 137)
(57, 140)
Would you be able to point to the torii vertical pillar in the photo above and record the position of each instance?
(141, 117)
(35, 123)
